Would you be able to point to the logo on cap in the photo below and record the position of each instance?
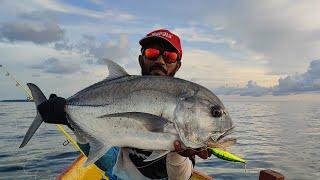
(162, 33)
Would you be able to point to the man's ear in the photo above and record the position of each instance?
(140, 60)
(178, 65)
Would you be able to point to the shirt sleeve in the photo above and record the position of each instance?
(178, 167)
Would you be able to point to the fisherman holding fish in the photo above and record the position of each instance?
(161, 55)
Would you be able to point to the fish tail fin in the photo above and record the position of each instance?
(38, 98)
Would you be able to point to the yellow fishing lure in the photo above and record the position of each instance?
(226, 155)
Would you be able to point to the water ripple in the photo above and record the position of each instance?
(279, 135)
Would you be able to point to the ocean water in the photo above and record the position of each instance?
(279, 133)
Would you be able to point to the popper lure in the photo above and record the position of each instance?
(226, 155)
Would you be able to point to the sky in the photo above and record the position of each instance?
(248, 48)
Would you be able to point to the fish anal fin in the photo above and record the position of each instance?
(156, 155)
(97, 147)
(97, 150)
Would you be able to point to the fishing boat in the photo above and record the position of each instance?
(92, 172)
(77, 171)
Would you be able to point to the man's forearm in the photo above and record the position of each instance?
(178, 167)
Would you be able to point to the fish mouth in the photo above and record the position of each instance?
(219, 143)
(224, 134)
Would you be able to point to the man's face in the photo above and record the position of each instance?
(158, 66)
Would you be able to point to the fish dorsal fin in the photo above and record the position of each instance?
(115, 70)
(156, 155)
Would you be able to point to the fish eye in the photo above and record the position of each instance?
(216, 111)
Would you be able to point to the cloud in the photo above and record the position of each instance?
(56, 66)
(111, 50)
(35, 75)
(38, 16)
(251, 89)
(308, 81)
(98, 2)
(297, 83)
(100, 50)
(63, 45)
(213, 70)
(194, 34)
(71, 9)
(38, 33)
(289, 31)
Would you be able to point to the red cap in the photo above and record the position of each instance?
(168, 36)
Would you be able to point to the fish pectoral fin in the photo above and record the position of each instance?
(151, 122)
(156, 155)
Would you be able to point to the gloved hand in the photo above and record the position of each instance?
(203, 154)
(52, 110)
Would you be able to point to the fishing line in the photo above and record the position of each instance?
(19, 84)
(139, 167)
(59, 127)
(141, 155)
(245, 168)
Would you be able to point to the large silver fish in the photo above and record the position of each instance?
(145, 112)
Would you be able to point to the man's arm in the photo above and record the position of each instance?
(178, 167)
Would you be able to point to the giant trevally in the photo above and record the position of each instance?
(145, 112)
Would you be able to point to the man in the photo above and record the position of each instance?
(161, 55)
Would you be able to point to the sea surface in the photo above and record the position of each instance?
(273, 132)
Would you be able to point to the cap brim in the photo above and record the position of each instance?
(144, 41)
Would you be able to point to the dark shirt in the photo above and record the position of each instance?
(152, 169)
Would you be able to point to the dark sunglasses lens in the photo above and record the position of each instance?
(151, 53)
(170, 57)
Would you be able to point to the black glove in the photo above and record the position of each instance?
(52, 110)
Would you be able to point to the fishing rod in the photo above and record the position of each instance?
(18, 84)
(59, 127)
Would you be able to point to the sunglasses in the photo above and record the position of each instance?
(168, 57)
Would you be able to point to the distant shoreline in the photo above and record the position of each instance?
(17, 100)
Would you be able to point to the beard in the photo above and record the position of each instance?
(157, 70)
